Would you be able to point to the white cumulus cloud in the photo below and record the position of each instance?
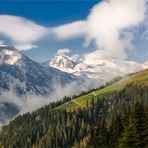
(68, 31)
(110, 25)
(108, 20)
(22, 33)
(63, 50)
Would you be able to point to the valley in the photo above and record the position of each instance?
(79, 118)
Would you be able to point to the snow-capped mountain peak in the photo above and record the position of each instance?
(98, 68)
(24, 75)
(9, 56)
(63, 62)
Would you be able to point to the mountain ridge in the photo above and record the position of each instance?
(20, 67)
(106, 89)
(22, 80)
(101, 68)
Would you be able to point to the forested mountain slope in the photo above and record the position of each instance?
(114, 116)
(117, 86)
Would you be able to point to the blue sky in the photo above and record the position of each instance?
(48, 12)
(51, 14)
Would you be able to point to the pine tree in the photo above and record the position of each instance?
(129, 138)
(141, 124)
(116, 128)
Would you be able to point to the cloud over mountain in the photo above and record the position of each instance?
(68, 31)
(110, 25)
(63, 50)
(21, 32)
(109, 21)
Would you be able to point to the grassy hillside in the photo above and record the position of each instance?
(112, 121)
(81, 101)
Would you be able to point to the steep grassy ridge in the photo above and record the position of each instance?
(81, 101)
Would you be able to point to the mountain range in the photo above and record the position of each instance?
(114, 115)
(23, 77)
(103, 69)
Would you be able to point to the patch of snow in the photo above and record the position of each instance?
(99, 68)
(9, 57)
